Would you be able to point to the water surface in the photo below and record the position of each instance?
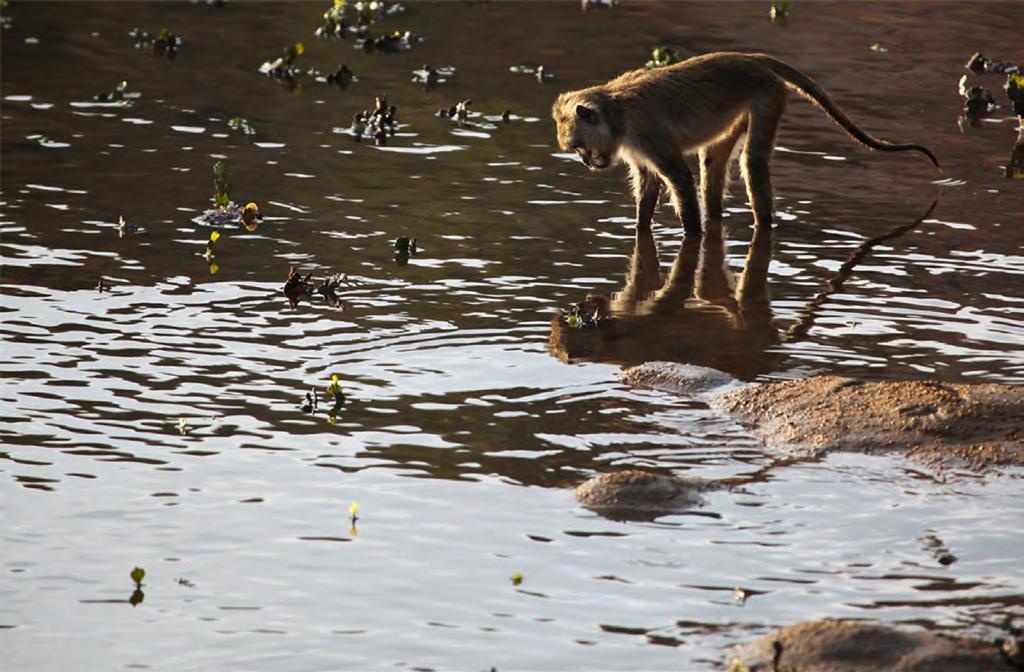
(465, 422)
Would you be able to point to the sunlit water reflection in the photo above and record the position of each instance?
(160, 422)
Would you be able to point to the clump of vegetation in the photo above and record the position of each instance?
(430, 77)
(979, 64)
(459, 111)
(978, 100)
(662, 56)
(282, 68)
(587, 313)
(538, 71)
(378, 124)
(312, 402)
(405, 247)
(345, 17)
(119, 94)
(241, 124)
(342, 77)
(298, 287)
(164, 43)
(388, 43)
(335, 24)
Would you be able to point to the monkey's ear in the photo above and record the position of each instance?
(586, 114)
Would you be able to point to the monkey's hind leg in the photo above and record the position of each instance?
(646, 188)
(676, 174)
(765, 115)
(714, 170)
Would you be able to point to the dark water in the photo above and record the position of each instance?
(462, 425)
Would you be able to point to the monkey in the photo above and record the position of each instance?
(652, 120)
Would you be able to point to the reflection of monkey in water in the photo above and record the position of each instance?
(699, 314)
(650, 118)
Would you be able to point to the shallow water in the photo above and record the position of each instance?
(463, 426)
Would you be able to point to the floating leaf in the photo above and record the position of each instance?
(138, 574)
(517, 579)
(214, 237)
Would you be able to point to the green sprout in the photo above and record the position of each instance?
(221, 188)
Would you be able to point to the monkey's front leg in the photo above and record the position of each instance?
(679, 179)
(646, 189)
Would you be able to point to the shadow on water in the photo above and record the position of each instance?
(701, 313)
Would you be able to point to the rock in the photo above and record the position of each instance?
(838, 646)
(939, 424)
(684, 379)
(638, 495)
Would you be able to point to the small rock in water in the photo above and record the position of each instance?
(677, 378)
(638, 495)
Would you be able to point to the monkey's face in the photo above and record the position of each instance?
(582, 129)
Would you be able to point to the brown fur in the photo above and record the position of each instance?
(652, 119)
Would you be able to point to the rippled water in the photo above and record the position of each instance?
(466, 418)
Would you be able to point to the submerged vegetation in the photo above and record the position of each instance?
(164, 43)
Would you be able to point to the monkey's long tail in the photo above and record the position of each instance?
(817, 95)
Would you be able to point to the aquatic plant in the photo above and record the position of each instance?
(979, 64)
(779, 11)
(298, 287)
(388, 43)
(1015, 90)
(241, 124)
(124, 228)
(662, 56)
(208, 255)
(978, 101)
(138, 574)
(164, 43)
(281, 67)
(221, 186)
(377, 124)
(118, 94)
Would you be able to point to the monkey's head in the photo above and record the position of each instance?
(588, 125)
